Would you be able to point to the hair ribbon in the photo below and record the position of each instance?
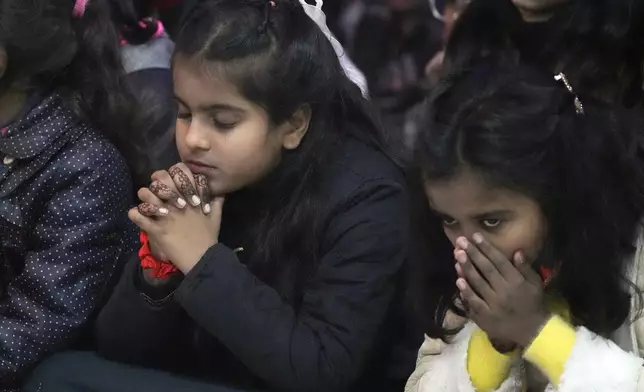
(350, 69)
(79, 8)
(579, 107)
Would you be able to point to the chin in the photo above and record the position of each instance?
(218, 189)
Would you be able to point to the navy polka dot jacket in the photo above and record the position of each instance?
(64, 194)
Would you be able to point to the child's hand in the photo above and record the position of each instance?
(183, 235)
(503, 299)
(178, 232)
(180, 187)
(503, 346)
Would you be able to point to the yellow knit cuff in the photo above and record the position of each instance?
(552, 347)
(487, 367)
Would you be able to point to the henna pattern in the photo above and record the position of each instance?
(162, 191)
(201, 180)
(147, 209)
(183, 182)
(202, 187)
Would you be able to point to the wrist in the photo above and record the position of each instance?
(536, 324)
(503, 346)
(154, 266)
(154, 251)
(152, 279)
(190, 258)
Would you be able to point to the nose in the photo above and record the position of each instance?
(466, 231)
(196, 138)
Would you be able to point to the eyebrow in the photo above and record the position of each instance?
(213, 107)
(493, 213)
(485, 215)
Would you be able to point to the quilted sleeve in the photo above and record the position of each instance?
(72, 250)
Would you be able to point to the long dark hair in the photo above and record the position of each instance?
(134, 20)
(519, 129)
(279, 59)
(78, 57)
(597, 43)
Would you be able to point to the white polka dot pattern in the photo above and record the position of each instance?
(63, 224)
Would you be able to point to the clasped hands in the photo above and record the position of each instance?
(179, 215)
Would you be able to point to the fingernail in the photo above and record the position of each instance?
(518, 257)
(462, 242)
(478, 238)
(196, 200)
(206, 208)
(182, 203)
(460, 283)
(164, 211)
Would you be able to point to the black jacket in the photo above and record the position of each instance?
(64, 192)
(223, 323)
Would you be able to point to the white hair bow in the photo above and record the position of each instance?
(319, 17)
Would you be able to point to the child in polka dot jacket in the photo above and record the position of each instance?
(64, 188)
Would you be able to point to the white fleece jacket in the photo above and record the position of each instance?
(595, 364)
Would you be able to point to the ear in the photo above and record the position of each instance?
(294, 129)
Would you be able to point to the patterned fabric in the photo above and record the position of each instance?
(64, 193)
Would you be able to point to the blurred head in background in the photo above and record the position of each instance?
(596, 43)
(537, 10)
(404, 5)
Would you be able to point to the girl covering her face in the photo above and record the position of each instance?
(274, 251)
(534, 260)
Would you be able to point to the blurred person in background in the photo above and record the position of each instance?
(392, 43)
(447, 12)
(146, 51)
(598, 44)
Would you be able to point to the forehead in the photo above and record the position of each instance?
(468, 194)
(198, 85)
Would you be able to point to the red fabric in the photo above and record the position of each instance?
(546, 275)
(160, 268)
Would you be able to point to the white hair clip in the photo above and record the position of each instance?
(319, 17)
(579, 107)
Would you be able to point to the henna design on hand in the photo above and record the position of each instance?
(162, 191)
(183, 182)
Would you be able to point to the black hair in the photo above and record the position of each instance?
(49, 49)
(134, 19)
(518, 129)
(597, 43)
(279, 59)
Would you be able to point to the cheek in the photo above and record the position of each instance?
(451, 236)
(181, 128)
(248, 152)
(245, 157)
(526, 236)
